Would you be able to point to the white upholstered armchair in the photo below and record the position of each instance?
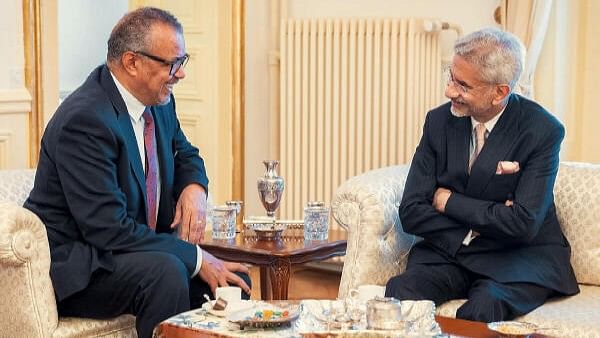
(367, 206)
(27, 303)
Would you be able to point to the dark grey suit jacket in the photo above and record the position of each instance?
(90, 188)
(522, 243)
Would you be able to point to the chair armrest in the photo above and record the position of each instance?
(367, 207)
(27, 304)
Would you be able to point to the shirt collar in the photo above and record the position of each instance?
(489, 125)
(134, 107)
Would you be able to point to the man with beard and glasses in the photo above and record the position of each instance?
(117, 176)
(479, 192)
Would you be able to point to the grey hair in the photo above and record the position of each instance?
(499, 55)
(132, 32)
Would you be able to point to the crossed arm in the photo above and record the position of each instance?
(445, 216)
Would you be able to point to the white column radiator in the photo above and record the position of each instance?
(354, 93)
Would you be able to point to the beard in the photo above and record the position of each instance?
(165, 98)
(456, 113)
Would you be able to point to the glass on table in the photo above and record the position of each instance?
(237, 205)
(223, 222)
(316, 221)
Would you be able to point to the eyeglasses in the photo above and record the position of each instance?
(460, 86)
(175, 64)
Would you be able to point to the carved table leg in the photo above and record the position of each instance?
(265, 290)
(279, 273)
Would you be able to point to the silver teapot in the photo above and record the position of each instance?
(384, 313)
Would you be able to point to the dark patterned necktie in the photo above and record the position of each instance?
(151, 167)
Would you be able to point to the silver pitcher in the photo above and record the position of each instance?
(270, 187)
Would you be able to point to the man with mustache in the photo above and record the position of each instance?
(479, 192)
(116, 178)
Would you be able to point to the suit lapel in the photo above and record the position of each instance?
(162, 145)
(497, 145)
(458, 137)
(125, 123)
(164, 140)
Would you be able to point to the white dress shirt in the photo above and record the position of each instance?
(135, 109)
(489, 125)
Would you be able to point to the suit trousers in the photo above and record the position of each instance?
(152, 285)
(487, 300)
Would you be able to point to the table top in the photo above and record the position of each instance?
(173, 328)
(467, 328)
(288, 245)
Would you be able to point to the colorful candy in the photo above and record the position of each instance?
(268, 314)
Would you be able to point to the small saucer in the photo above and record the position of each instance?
(513, 328)
(231, 307)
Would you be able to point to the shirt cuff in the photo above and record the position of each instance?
(468, 238)
(198, 261)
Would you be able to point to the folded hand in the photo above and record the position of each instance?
(190, 214)
(440, 198)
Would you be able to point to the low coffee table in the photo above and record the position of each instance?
(467, 328)
(450, 326)
(275, 257)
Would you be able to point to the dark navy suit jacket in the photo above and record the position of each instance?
(90, 188)
(521, 243)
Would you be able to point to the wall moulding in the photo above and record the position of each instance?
(15, 101)
(5, 146)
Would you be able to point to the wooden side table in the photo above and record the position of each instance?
(276, 257)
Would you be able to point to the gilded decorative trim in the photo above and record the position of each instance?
(33, 70)
(237, 63)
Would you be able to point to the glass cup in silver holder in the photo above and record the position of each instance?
(223, 222)
(238, 211)
(316, 221)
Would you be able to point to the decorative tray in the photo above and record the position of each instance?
(267, 227)
(267, 316)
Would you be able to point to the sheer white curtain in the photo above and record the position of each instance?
(566, 79)
(527, 19)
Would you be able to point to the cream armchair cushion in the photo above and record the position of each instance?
(367, 206)
(577, 197)
(27, 304)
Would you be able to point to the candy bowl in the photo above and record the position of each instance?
(265, 227)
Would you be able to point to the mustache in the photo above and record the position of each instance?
(169, 83)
